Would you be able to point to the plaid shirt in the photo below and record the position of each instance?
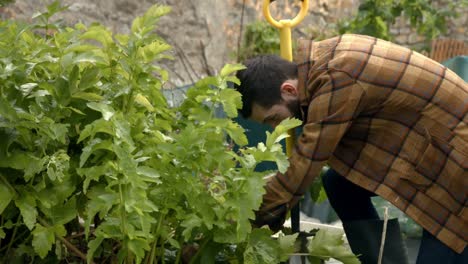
(389, 120)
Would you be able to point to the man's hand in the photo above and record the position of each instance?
(274, 218)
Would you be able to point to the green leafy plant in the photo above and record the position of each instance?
(6, 2)
(259, 38)
(94, 164)
(375, 17)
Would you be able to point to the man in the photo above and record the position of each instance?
(388, 121)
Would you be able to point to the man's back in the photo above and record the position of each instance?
(408, 138)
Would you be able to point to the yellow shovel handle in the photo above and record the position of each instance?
(285, 23)
(284, 27)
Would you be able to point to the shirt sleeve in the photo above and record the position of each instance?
(337, 100)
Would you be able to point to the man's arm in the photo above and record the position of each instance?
(336, 103)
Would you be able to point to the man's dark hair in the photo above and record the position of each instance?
(261, 81)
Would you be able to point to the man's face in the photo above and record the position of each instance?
(274, 115)
(288, 107)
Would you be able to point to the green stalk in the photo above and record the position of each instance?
(197, 255)
(16, 239)
(123, 217)
(179, 252)
(7, 183)
(156, 238)
(12, 238)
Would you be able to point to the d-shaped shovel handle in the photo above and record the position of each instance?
(287, 22)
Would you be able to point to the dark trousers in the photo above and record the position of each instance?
(352, 202)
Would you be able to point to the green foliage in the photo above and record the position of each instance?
(259, 38)
(92, 156)
(375, 17)
(326, 245)
(6, 2)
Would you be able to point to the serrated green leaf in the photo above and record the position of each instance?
(89, 77)
(100, 34)
(2, 233)
(149, 52)
(228, 69)
(231, 101)
(281, 130)
(261, 248)
(27, 88)
(89, 57)
(95, 127)
(142, 100)
(87, 96)
(287, 245)
(27, 205)
(43, 239)
(235, 132)
(189, 223)
(106, 110)
(92, 146)
(6, 195)
(62, 90)
(138, 247)
(328, 244)
(282, 162)
(151, 174)
(123, 130)
(93, 245)
(62, 213)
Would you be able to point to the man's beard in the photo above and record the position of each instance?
(295, 109)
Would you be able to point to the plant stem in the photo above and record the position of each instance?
(16, 239)
(66, 242)
(7, 183)
(156, 238)
(179, 252)
(203, 245)
(12, 237)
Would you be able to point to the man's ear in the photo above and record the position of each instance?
(289, 87)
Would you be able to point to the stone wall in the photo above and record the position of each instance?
(205, 33)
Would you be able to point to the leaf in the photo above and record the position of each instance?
(228, 69)
(149, 52)
(287, 245)
(89, 77)
(328, 244)
(261, 248)
(90, 57)
(98, 33)
(281, 130)
(138, 247)
(27, 88)
(231, 101)
(93, 245)
(6, 195)
(97, 126)
(92, 146)
(87, 96)
(106, 110)
(235, 132)
(151, 174)
(142, 100)
(43, 239)
(62, 91)
(27, 205)
(62, 213)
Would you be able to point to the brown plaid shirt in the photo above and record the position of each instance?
(391, 121)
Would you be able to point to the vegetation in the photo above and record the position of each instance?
(95, 165)
(259, 38)
(375, 17)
